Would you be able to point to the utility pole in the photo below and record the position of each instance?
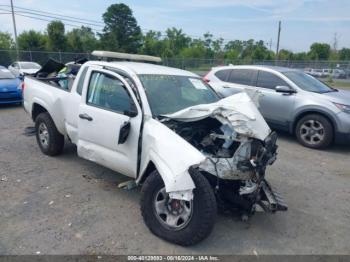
(278, 40)
(14, 29)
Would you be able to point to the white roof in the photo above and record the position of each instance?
(151, 69)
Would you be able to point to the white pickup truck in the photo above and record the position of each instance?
(170, 132)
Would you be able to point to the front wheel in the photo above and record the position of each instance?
(314, 131)
(178, 221)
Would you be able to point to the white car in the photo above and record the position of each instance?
(169, 132)
(21, 68)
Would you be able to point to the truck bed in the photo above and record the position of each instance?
(47, 94)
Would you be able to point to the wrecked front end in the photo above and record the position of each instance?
(238, 146)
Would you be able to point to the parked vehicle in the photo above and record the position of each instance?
(10, 87)
(291, 100)
(21, 68)
(315, 72)
(339, 74)
(326, 72)
(167, 130)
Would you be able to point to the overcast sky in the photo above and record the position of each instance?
(303, 21)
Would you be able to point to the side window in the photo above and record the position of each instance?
(242, 76)
(15, 65)
(109, 93)
(269, 80)
(81, 81)
(223, 74)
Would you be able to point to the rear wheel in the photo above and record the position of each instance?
(314, 131)
(50, 141)
(178, 221)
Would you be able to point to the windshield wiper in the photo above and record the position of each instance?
(331, 91)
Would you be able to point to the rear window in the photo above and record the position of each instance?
(242, 76)
(223, 74)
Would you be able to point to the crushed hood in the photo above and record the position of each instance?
(238, 111)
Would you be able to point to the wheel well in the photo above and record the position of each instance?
(150, 168)
(312, 113)
(37, 109)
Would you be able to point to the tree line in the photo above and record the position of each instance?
(123, 34)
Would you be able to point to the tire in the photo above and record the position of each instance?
(201, 221)
(314, 131)
(46, 128)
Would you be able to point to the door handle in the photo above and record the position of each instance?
(86, 117)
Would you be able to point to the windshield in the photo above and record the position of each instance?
(169, 93)
(307, 82)
(29, 65)
(6, 74)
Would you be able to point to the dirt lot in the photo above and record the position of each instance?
(66, 205)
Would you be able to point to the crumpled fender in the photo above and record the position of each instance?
(171, 155)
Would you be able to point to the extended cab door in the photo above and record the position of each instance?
(109, 122)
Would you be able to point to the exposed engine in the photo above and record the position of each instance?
(235, 164)
(206, 135)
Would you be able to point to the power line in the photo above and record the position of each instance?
(58, 17)
(45, 12)
(48, 20)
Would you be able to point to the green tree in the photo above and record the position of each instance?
(319, 51)
(217, 48)
(176, 40)
(196, 50)
(81, 40)
(344, 54)
(152, 44)
(284, 54)
(121, 31)
(6, 41)
(300, 56)
(6, 44)
(56, 36)
(32, 40)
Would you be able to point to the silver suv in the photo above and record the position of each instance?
(291, 100)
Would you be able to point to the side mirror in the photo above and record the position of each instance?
(284, 89)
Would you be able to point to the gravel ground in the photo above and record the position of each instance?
(66, 205)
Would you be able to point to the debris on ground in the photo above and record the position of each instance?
(29, 131)
(128, 185)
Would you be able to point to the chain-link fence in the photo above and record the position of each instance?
(192, 64)
(206, 64)
(7, 57)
